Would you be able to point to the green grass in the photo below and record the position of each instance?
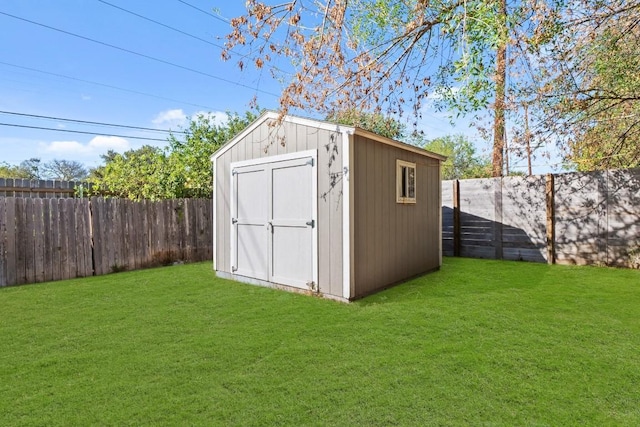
(477, 343)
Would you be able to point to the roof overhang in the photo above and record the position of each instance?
(272, 116)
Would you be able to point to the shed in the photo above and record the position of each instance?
(323, 208)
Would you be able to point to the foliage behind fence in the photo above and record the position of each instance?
(571, 218)
(40, 188)
(53, 239)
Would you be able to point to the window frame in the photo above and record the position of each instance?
(402, 167)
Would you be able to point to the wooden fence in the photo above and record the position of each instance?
(572, 218)
(39, 188)
(53, 239)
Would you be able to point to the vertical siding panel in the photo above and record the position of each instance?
(256, 145)
(303, 140)
(325, 206)
(385, 205)
(369, 215)
(291, 138)
(333, 169)
(363, 249)
(375, 193)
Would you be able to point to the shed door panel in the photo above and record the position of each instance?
(250, 222)
(274, 220)
(292, 222)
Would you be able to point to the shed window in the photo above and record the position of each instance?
(405, 182)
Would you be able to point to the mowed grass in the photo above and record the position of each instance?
(477, 343)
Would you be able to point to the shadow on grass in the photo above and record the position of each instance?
(463, 276)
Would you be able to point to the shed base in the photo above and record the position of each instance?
(266, 284)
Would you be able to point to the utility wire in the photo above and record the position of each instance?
(211, 15)
(162, 25)
(107, 86)
(221, 47)
(14, 113)
(79, 131)
(142, 55)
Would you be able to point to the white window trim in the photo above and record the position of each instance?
(399, 165)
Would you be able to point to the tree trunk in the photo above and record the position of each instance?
(499, 104)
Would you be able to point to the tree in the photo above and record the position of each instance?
(183, 169)
(385, 54)
(373, 122)
(135, 174)
(190, 157)
(66, 170)
(588, 96)
(31, 168)
(462, 161)
(12, 171)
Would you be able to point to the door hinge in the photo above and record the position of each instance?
(234, 172)
(234, 220)
(233, 269)
(313, 287)
(310, 162)
(311, 223)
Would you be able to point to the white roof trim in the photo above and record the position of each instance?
(272, 115)
(319, 124)
(398, 144)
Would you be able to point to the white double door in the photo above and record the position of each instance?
(274, 224)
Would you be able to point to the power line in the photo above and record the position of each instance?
(81, 132)
(14, 113)
(162, 25)
(107, 86)
(223, 48)
(142, 55)
(211, 15)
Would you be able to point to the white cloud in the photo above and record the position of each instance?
(170, 118)
(217, 117)
(85, 97)
(97, 145)
(173, 119)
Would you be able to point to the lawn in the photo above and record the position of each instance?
(477, 343)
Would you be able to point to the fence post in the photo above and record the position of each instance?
(456, 218)
(497, 228)
(551, 226)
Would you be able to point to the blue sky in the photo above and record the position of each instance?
(49, 73)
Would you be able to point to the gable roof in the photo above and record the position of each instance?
(320, 124)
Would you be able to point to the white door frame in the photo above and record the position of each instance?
(312, 155)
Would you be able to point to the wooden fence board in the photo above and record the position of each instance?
(3, 243)
(39, 241)
(578, 218)
(51, 238)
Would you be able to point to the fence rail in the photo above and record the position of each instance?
(38, 188)
(53, 239)
(571, 218)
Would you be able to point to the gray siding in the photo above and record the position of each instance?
(392, 241)
(289, 138)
